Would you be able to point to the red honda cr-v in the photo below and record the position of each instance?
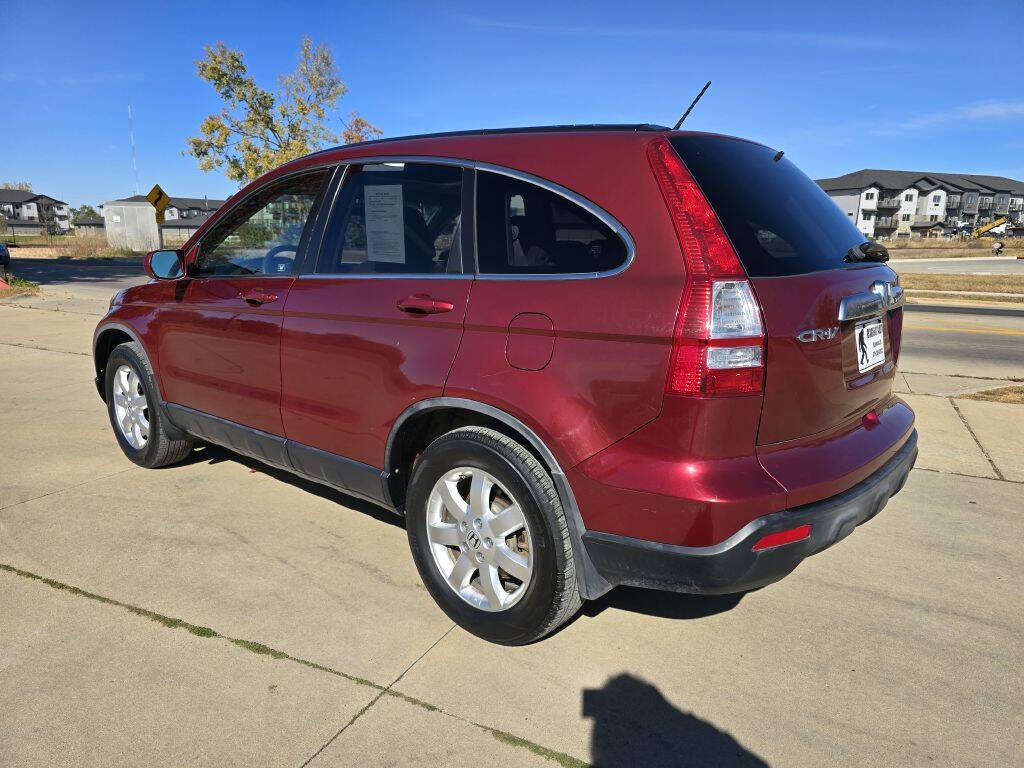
(571, 357)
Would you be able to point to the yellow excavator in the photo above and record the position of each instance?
(991, 225)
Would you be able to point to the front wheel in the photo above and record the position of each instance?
(489, 537)
(135, 414)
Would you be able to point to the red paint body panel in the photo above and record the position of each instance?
(221, 356)
(689, 478)
(352, 361)
(811, 387)
(828, 463)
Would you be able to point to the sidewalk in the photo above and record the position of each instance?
(965, 437)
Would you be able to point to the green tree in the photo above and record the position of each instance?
(23, 186)
(257, 130)
(85, 212)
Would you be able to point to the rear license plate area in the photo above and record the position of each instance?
(869, 338)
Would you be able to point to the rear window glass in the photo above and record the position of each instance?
(523, 229)
(779, 221)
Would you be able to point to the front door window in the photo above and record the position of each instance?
(262, 235)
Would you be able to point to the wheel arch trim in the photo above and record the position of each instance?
(590, 583)
(134, 335)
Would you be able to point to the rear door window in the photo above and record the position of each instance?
(780, 222)
(522, 228)
(396, 218)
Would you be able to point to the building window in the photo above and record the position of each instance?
(936, 199)
(906, 217)
(869, 195)
(933, 217)
(909, 196)
(866, 215)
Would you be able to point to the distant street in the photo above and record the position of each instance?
(970, 266)
(987, 342)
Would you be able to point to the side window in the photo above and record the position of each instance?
(261, 235)
(525, 229)
(396, 218)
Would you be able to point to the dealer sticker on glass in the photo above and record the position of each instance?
(870, 345)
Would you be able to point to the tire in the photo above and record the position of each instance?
(157, 449)
(520, 608)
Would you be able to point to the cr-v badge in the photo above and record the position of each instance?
(814, 334)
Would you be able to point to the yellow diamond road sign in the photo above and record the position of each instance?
(159, 199)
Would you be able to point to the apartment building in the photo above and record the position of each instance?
(31, 211)
(913, 203)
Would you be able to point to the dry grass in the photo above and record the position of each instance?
(951, 249)
(73, 248)
(18, 287)
(1012, 394)
(938, 282)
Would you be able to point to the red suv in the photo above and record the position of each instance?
(571, 357)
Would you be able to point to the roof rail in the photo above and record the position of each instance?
(576, 127)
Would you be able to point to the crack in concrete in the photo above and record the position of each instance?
(964, 474)
(68, 488)
(981, 447)
(387, 690)
(561, 758)
(44, 349)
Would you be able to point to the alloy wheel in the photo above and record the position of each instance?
(480, 539)
(130, 407)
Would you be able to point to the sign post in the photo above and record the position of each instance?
(160, 200)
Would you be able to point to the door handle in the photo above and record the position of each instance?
(257, 297)
(421, 304)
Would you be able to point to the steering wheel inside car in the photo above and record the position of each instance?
(279, 265)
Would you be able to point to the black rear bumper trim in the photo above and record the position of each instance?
(733, 565)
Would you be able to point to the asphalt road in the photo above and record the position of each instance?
(1003, 265)
(984, 342)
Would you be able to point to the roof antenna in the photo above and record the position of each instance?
(692, 105)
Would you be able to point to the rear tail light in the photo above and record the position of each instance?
(718, 345)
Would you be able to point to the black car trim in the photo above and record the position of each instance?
(346, 475)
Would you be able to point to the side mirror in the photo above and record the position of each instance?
(164, 265)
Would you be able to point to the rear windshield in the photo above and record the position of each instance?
(779, 221)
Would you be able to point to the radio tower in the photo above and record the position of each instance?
(131, 140)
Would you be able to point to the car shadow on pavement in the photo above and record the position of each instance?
(214, 454)
(666, 605)
(635, 725)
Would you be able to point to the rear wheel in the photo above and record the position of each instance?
(488, 534)
(135, 415)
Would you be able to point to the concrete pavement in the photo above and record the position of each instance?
(220, 613)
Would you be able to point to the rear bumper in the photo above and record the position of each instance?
(733, 565)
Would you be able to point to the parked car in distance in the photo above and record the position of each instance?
(571, 357)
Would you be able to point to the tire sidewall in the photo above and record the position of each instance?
(520, 621)
(125, 355)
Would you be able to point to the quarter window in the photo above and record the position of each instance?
(525, 229)
(262, 234)
(396, 218)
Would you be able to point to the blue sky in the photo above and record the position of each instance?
(838, 86)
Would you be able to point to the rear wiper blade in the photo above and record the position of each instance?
(867, 252)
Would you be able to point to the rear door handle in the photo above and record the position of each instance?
(422, 304)
(257, 297)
